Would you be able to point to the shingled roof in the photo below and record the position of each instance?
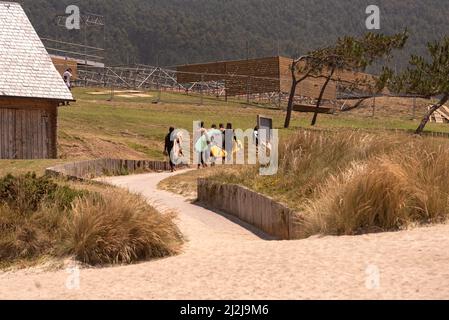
(26, 69)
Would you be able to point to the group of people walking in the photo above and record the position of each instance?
(215, 144)
(212, 145)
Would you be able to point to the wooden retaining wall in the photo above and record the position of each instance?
(90, 169)
(269, 216)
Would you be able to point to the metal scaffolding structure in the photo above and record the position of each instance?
(88, 19)
(84, 53)
(142, 77)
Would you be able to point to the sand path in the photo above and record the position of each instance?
(223, 260)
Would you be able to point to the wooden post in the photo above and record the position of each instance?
(280, 100)
(201, 90)
(226, 90)
(159, 93)
(112, 92)
(226, 82)
(414, 109)
(248, 90)
(374, 107)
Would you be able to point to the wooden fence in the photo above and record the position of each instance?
(90, 169)
(262, 212)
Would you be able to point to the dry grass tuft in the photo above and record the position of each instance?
(366, 198)
(387, 193)
(120, 228)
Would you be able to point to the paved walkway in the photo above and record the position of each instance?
(224, 260)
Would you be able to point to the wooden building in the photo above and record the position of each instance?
(263, 75)
(31, 89)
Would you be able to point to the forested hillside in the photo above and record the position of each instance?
(185, 31)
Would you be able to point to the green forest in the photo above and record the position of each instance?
(172, 32)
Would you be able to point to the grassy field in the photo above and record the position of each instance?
(24, 166)
(135, 128)
(132, 126)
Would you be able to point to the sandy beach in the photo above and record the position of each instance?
(225, 260)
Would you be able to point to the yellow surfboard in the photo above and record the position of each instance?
(218, 152)
(237, 146)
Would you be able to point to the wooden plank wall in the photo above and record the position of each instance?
(213, 71)
(27, 132)
(262, 75)
(267, 215)
(7, 134)
(241, 76)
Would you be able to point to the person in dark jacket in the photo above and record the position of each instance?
(169, 145)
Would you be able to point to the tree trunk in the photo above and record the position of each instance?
(295, 83)
(291, 98)
(290, 103)
(434, 108)
(320, 98)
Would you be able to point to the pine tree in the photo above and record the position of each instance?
(425, 77)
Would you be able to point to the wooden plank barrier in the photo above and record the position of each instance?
(90, 169)
(262, 212)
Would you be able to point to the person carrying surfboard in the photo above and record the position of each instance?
(216, 151)
(201, 146)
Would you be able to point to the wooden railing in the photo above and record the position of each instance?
(90, 169)
(262, 212)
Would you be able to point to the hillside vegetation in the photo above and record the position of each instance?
(185, 31)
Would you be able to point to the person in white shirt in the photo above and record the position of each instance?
(68, 77)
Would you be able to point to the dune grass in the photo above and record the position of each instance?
(120, 228)
(43, 218)
(386, 193)
(349, 182)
